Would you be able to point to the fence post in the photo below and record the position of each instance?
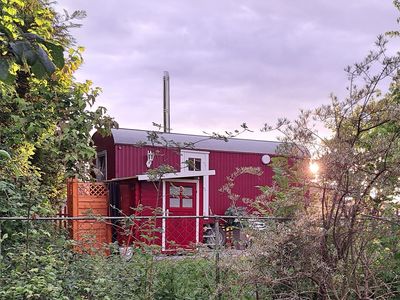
(217, 258)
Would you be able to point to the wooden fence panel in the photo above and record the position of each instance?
(88, 199)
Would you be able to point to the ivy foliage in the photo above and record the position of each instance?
(26, 41)
(46, 116)
(46, 119)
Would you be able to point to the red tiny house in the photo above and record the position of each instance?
(201, 167)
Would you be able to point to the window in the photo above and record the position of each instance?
(192, 161)
(101, 165)
(194, 164)
(180, 197)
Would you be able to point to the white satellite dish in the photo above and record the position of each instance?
(266, 159)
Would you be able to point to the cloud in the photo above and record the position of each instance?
(229, 61)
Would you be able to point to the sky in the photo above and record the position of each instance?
(230, 61)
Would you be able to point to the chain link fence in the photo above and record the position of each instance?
(145, 257)
(168, 257)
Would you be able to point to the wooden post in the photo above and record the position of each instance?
(75, 197)
(72, 205)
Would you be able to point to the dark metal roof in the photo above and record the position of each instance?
(135, 136)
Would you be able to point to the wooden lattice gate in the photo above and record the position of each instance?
(88, 199)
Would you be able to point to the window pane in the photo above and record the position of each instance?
(101, 164)
(194, 164)
(174, 202)
(174, 191)
(190, 163)
(187, 202)
(197, 164)
(187, 191)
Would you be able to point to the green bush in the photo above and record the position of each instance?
(56, 272)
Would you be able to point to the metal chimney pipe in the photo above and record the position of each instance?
(167, 125)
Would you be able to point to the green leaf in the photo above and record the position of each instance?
(32, 36)
(24, 51)
(45, 60)
(57, 53)
(39, 70)
(43, 65)
(20, 3)
(4, 154)
(5, 236)
(10, 10)
(5, 74)
(5, 30)
(35, 56)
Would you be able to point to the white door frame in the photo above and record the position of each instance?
(204, 156)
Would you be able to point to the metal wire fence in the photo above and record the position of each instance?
(157, 257)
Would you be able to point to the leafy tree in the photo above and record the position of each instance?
(340, 240)
(45, 122)
(46, 118)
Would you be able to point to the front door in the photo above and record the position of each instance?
(181, 201)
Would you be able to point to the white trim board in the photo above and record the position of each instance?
(163, 233)
(179, 175)
(205, 158)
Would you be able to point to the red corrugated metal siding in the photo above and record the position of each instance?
(106, 143)
(148, 195)
(131, 160)
(127, 202)
(148, 198)
(224, 164)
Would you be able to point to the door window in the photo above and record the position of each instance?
(180, 197)
(187, 202)
(174, 202)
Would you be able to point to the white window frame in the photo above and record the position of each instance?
(187, 154)
(204, 156)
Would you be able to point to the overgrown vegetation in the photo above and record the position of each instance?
(342, 240)
(45, 119)
(60, 274)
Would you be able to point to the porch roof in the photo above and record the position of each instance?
(186, 174)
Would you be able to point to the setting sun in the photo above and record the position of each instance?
(314, 167)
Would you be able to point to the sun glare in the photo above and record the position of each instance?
(314, 167)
